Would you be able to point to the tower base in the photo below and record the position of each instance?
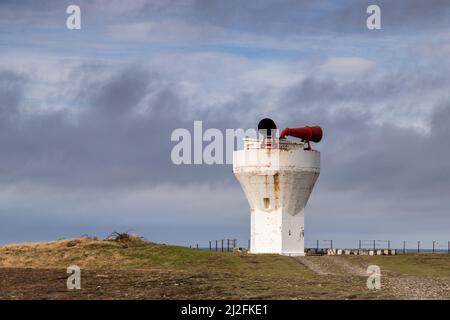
(277, 232)
(292, 254)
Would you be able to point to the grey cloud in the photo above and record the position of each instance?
(121, 93)
(370, 90)
(104, 157)
(398, 17)
(11, 92)
(121, 138)
(281, 18)
(110, 145)
(376, 178)
(382, 165)
(306, 17)
(381, 181)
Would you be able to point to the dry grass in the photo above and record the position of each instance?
(86, 252)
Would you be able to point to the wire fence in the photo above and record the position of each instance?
(424, 247)
(374, 244)
(402, 246)
(318, 244)
(222, 245)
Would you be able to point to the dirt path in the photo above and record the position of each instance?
(325, 265)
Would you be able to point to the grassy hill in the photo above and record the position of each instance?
(131, 268)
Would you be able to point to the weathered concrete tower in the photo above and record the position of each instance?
(277, 176)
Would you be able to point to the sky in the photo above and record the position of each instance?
(86, 115)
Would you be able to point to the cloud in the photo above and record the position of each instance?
(12, 87)
(86, 133)
(119, 146)
(265, 24)
(347, 66)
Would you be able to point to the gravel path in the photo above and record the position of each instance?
(418, 288)
(396, 285)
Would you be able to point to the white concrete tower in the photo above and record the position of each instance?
(277, 176)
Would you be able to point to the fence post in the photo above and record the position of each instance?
(448, 247)
(359, 244)
(404, 246)
(248, 246)
(317, 245)
(216, 245)
(433, 245)
(389, 244)
(374, 245)
(418, 246)
(228, 245)
(209, 245)
(197, 245)
(222, 245)
(331, 244)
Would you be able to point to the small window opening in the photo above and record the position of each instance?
(266, 203)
